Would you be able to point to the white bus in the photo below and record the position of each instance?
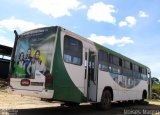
(55, 63)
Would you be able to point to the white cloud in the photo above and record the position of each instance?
(158, 21)
(13, 23)
(57, 8)
(101, 12)
(111, 40)
(143, 14)
(5, 41)
(129, 21)
(122, 23)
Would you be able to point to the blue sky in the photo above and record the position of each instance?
(130, 27)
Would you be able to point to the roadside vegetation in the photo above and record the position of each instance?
(155, 88)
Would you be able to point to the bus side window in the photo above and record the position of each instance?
(72, 50)
(102, 58)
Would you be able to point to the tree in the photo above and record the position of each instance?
(155, 85)
(155, 80)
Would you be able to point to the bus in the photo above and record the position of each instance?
(55, 63)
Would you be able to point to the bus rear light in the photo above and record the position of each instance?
(48, 80)
(25, 82)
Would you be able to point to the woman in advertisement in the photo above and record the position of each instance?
(19, 67)
(21, 60)
(36, 64)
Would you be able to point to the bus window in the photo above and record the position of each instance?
(144, 74)
(103, 57)
(72, 50)
(136, 68)
(114, 59)
(127, 65)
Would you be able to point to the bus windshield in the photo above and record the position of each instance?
(34, 54)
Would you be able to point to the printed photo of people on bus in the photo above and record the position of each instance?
(19, 70)
(36, 64)
(26, 67)
(27, 61)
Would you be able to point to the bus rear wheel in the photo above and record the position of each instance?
(144, 96)
(106, 100)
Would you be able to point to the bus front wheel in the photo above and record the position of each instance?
(106, 100)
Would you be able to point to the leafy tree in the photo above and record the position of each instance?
(155, 80)
(155, 85)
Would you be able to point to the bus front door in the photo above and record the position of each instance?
(92, 77)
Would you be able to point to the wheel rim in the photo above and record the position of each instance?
(106, 100)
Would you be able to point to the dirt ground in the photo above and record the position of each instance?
(10, 101)
(26, 105)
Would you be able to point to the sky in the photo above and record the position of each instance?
(130, 27)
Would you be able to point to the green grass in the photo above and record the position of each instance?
(156, 88)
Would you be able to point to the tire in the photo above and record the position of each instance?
(106, 100)
(142, 102)
(130, 102)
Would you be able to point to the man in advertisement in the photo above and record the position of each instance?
(27, 61)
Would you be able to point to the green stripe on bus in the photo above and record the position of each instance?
(64, 88)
